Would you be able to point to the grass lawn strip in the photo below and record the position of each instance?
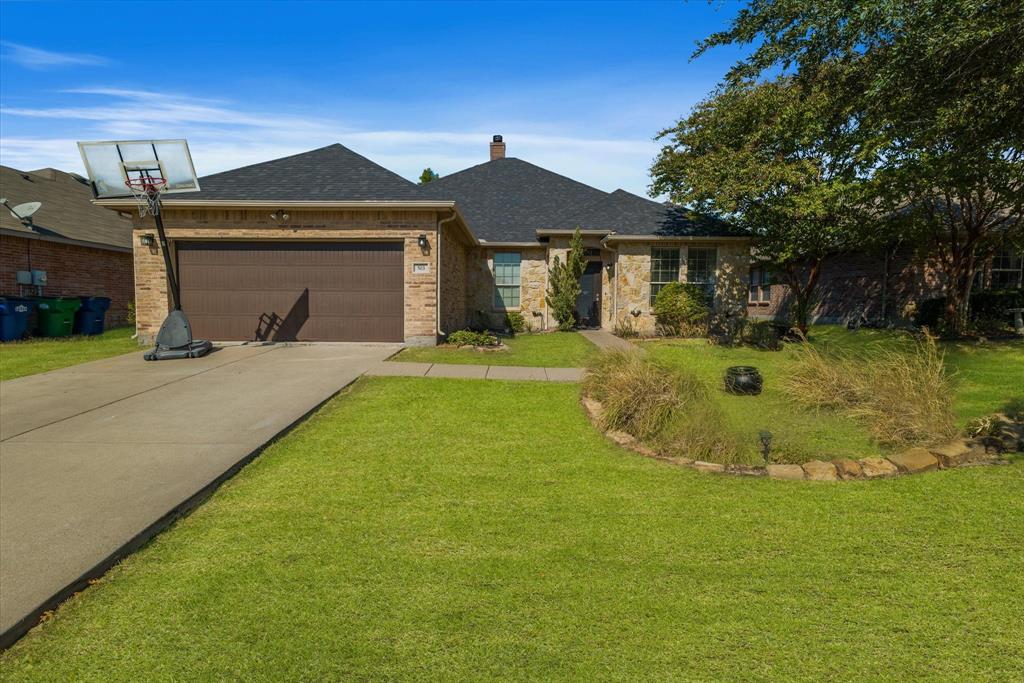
(541, 350)
(453, 529)
(19, 359)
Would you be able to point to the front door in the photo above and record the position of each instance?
(588, 304)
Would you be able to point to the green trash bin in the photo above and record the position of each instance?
(56, 315)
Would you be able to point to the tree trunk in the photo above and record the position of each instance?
(803, 291)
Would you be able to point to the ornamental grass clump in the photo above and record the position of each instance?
(902, 395)
(638, 395)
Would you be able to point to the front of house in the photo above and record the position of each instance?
(329, 246)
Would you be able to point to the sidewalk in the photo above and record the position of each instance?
(508, 372)
(606, 341)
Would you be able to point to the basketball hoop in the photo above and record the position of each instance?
(147, 189)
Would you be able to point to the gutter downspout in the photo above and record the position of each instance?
(437, 277)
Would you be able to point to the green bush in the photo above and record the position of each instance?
(763, 334)
(681, 309)
(515, 322)
(626, 329)
(471, 338)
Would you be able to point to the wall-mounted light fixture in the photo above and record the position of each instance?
(147, 239)
(279, 215)
(422, 241)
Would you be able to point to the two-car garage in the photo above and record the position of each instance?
(275, 290)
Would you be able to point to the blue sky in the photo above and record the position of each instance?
(580, 88)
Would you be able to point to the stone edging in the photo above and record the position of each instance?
(963, 452)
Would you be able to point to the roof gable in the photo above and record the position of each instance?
(508, 200)
(332, 173)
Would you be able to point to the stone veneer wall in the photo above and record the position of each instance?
(152, 296)
(533, 283)
(631, 289)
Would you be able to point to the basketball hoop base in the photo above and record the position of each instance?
(175, 340)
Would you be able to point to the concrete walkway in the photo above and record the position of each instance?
(506, 372)
(606, 341)
(96, 458)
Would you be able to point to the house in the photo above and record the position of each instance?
(84, 249)
(329, 246)
(878, 285)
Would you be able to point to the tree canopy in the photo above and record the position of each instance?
(428, 175)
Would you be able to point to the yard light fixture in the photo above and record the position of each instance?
(766, 444)
(422, 241)
(147, 239)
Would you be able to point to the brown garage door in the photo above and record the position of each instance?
(287, 291)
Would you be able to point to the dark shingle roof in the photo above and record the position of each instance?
(332, 173)
(67, 212)
(507, 200)
(628, 214)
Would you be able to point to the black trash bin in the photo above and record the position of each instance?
(90, 317)
(14, 315)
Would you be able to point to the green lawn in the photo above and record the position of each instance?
(450, 529)
(986, 376)
(542, 350)
(18, 359)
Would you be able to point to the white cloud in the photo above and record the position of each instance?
(223, 136)
(35, 58)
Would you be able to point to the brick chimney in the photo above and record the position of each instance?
(497, 148)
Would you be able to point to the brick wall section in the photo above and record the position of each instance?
(152, 295)
(71, 271)
(454, 279)
(858, 281)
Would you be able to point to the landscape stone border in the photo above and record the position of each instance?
(958, 453)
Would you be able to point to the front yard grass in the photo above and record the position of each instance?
(541, 350)
(453, 529)
(986, 377)
(32, 356)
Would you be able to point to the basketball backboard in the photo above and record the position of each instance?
(111, 165)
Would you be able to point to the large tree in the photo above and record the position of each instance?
(934, 95)
(763, 154)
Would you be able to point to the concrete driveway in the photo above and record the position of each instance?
(96, 458)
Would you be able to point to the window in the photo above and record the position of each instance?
(700, 269)
(664, 269)
(760, 285)
(1006, 270)
(506, 279)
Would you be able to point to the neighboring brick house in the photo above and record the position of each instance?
(84, 249)
(329, 246)
(881, 286)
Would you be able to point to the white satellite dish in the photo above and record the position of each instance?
(23, 212)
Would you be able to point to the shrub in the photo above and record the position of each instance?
(763, 334)
(515, 322)
(564, 283)
(701, 433)
(471, 338)
(903, 396)
(626, 329)
(681, 309)
(638, 395)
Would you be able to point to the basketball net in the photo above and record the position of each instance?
(147, 190)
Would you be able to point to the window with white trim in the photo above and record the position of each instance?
(701, 263)
(1007, 268)
(506, 279)
(664, 269)
(760, 285)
